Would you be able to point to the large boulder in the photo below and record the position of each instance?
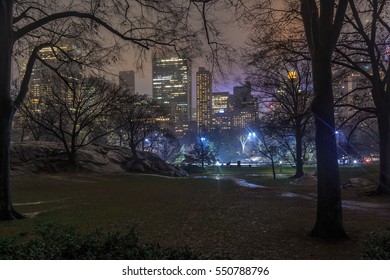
(358, 183)
(307, 179)
(51, 157)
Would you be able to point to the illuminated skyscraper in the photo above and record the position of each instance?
(245, 107)
(63, 58)
(203, 99)
(172, 88)
(220, 110)
(41, 76)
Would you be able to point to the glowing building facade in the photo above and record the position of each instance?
(221, 119)
(203, 99)
(172, 88)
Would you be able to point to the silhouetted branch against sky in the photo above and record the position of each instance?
(210, 31)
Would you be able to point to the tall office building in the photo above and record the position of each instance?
(127, 81)
(42, 77)
(244, 106)
(221, 119)
(172, 88)
(203, 99)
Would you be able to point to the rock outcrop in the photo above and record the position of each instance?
(51, 157)
(358, 183)
(307, 179)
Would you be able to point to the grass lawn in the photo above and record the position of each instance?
(209, 212)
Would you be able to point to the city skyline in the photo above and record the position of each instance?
(144, 81)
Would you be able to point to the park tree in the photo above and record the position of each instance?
(314, 27)
(356, 123)
(323, 21)
(286, 91)
(266, 144)
(26, 27)
(136, 119)
(74, 112)
(245, 139)
(167, 146)
(25, 129)
(201, 152)
(364, 49)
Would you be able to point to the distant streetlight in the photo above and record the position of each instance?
(251, 135)
(281, 167)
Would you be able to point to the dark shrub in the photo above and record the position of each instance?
(377, 246)
(193, 168)
(62, 242)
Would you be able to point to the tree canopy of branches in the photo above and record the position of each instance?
(202, 151)
(26, 27)
(137, 120)
(166, 145)
(76, 113)
(286, 93)
(266, 145)
(314, 28)
(364, 49)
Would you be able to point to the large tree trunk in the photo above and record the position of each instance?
(384, 150)
(5, 135)
(134, 152)
(6, 110)
(329, 210)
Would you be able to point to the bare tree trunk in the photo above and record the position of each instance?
(5, 132)
(323, 21)
(384, 151)
(134, 152)
(6, 109)
(298, 153)
(72, 158)
(329, 211)
(273, 169)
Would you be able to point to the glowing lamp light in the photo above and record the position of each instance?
(292, 75)
(367, 160)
